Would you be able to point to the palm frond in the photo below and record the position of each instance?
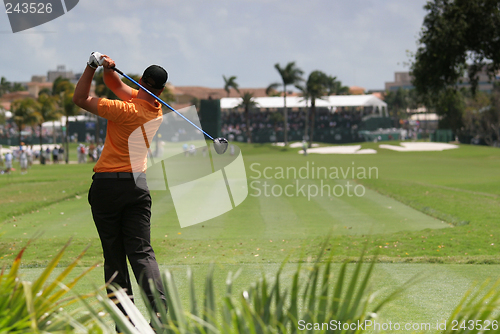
(39, 306)
(267, 307)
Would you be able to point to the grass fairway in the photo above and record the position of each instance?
(415, 207)
(428, 207)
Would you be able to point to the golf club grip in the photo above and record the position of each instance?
(161, 101)
(117, 70)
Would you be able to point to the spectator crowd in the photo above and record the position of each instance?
(264, 122)
(27, 155)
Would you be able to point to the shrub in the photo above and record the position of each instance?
(32, 307)
(265, 307)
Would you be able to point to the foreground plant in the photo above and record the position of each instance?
(32, 307)
(316, 295)
(477, 312)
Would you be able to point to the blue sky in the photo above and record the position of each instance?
(362, 42)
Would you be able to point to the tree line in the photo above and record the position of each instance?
(50, 105)
(53, 104)
(460, 40)
(9, 87)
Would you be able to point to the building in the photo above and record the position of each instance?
(38, 83)
(356, 90)
(403, 80)
(7, 99)
(60, 72)
(484, 82)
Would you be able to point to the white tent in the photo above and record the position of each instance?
(425, 117)
(58, 124)
(331, 102)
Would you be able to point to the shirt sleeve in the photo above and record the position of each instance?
(115, 110)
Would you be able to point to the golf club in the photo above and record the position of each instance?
(220, 144)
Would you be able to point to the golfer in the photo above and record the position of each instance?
(121, 208)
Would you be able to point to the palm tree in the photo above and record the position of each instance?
(305, 94)
(290, 75)
(3, 119)
(18, 87)
(70, 109)
(196, 103)
(335, 87)
(271, 90)
(64, 90)
(397, 102)
(230, 83)
(276, 118)
(5, 86)
(315, 87)
(47, 111)
(25, 112)
(247, 102)
(167, 95)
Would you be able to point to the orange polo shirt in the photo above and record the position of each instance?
(124, 117)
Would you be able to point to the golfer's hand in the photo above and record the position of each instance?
(96, 59)
(108, 63)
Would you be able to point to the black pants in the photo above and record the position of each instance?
(122, 212)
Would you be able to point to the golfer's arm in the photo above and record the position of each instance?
(113, 82)
(81, 96)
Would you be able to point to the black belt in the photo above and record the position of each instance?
(120, 175)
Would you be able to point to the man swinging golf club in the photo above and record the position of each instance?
(121, 206)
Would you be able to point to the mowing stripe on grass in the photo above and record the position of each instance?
(318, 215)
(394, 215)
(279, 218)
(434, 295)
(261, 217)
(348, 215)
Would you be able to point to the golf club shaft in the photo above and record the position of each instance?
(161, 101)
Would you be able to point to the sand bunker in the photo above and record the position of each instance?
(418, 147)
(352, 149)
(293, 145)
